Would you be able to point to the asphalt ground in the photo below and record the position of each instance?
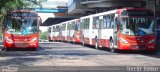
(59, 56)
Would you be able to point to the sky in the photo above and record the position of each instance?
(51, 4)
(54, 3)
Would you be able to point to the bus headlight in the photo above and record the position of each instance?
(9, 40)
(151, 41)
(34, 39)
(123, 40)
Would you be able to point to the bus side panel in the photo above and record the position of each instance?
(86, 36)
(77, 37)
(94, 36)
(68, 33)
(105, 37)
(63, 35)
(71, 35)
(56, 36)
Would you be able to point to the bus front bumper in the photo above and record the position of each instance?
(21, 45)
(148, 47)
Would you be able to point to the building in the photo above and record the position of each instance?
(86, 7)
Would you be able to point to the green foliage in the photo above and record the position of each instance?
(10, 5)
(43, 35)
(18, 4)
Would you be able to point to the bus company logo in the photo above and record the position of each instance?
(140, 40)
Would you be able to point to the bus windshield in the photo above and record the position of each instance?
(22, 26)
(137, 26)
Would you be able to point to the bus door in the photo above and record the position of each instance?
(100, 29)
(115, 30)
(158, 32)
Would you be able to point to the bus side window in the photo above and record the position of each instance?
(76, 26)
(112, 21)
(94, 23)
(88, 22)
(82, 24)
(108, 21)
(104, 22)
(97, 22)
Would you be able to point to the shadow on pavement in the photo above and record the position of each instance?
(155, 54)
(22, 49)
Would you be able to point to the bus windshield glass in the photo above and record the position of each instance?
(22, 26)
(137, 26)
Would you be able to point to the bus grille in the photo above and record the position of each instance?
(21, 44)
(138, 46)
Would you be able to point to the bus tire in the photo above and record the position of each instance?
(111, 45)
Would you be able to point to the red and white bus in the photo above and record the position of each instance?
(49, 33)
(120, 29)
(21, 29)
(64, 31)
(68, 31)
(56, 32)
(73, 31)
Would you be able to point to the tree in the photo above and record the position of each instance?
(43, 35)
(18, 4)
(34, 3)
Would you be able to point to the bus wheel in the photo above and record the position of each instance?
(96, 44)
(112, 49)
